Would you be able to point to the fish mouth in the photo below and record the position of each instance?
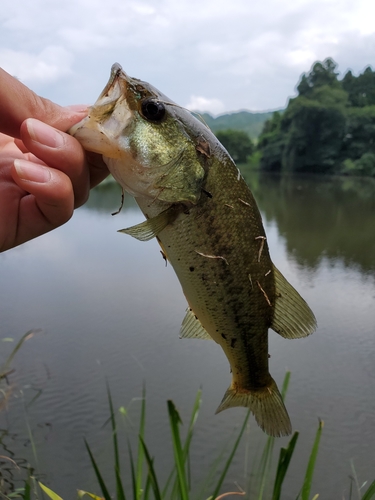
(112, 94)
(107, 117)
(116, 82)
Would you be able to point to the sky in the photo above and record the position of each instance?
(207, 55)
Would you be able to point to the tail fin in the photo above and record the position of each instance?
(267, 406)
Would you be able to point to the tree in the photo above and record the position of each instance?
(328, 128)
(321, 74)
(361, 89)
(314, 136)
(271, 143)
(360, 132)
(237, 143)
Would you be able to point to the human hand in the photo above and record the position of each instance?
(44, 172)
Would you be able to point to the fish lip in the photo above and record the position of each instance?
(116, 73)
(112, 92)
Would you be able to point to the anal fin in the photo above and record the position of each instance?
(192, 328)
(292, 317)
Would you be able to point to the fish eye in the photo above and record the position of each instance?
(152, 110)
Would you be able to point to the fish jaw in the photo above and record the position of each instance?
(102, 127)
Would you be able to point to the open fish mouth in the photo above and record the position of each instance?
(106, 117)
(116, 71)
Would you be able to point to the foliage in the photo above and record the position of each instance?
(146, 484)
(251, 123)
(237, 143)
(328, 128)
(179, 483)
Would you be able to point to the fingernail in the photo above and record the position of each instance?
(32, 172)
(44, 134)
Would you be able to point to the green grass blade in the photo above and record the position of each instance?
(230, 458)
(140, 457)
(49, 492)
(282, 466)
(174, 420)
(119, 486)
(132, 469)
(98, 475)
(285, 386)
(186, 447)
(370, 493)
(31, 437)
(27, 490)
(266, 458)
(265, 465)
(193, 419)
(82, 493)
(151, 471)
(209, 476)
(306, 487)
(147, 488)
(114, 428)
(28, 335)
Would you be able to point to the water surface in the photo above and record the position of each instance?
(110, 310)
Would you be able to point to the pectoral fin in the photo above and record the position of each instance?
(191, 327)
(292, 318)
(152, 227)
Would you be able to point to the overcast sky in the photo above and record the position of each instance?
(210, 55)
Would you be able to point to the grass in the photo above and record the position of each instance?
(266, 481)
(179, 485)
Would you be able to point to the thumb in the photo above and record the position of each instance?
(18, 102)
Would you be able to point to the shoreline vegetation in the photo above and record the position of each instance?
(328, 128)
(264, 479)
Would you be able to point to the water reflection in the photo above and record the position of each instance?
(334, 218)
(110, 309)
(331, 217)
(106, 198)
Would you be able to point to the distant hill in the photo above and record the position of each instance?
(251, 123)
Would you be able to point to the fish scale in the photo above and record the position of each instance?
(209, 227)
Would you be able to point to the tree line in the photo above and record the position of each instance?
(328, 128)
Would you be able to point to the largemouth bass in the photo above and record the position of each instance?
(207, 222)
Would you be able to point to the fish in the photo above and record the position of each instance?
(206, 220)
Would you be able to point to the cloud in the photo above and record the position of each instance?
(204, 104)
(48, 66)
(238, 55)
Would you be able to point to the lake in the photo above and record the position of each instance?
(109, 310)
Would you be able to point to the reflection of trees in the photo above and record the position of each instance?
(331, 217)
(317, 216)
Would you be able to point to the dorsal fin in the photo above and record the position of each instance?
(152, 227)
(191, 327)
(292, 318)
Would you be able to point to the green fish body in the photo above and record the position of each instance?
(207, 222)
